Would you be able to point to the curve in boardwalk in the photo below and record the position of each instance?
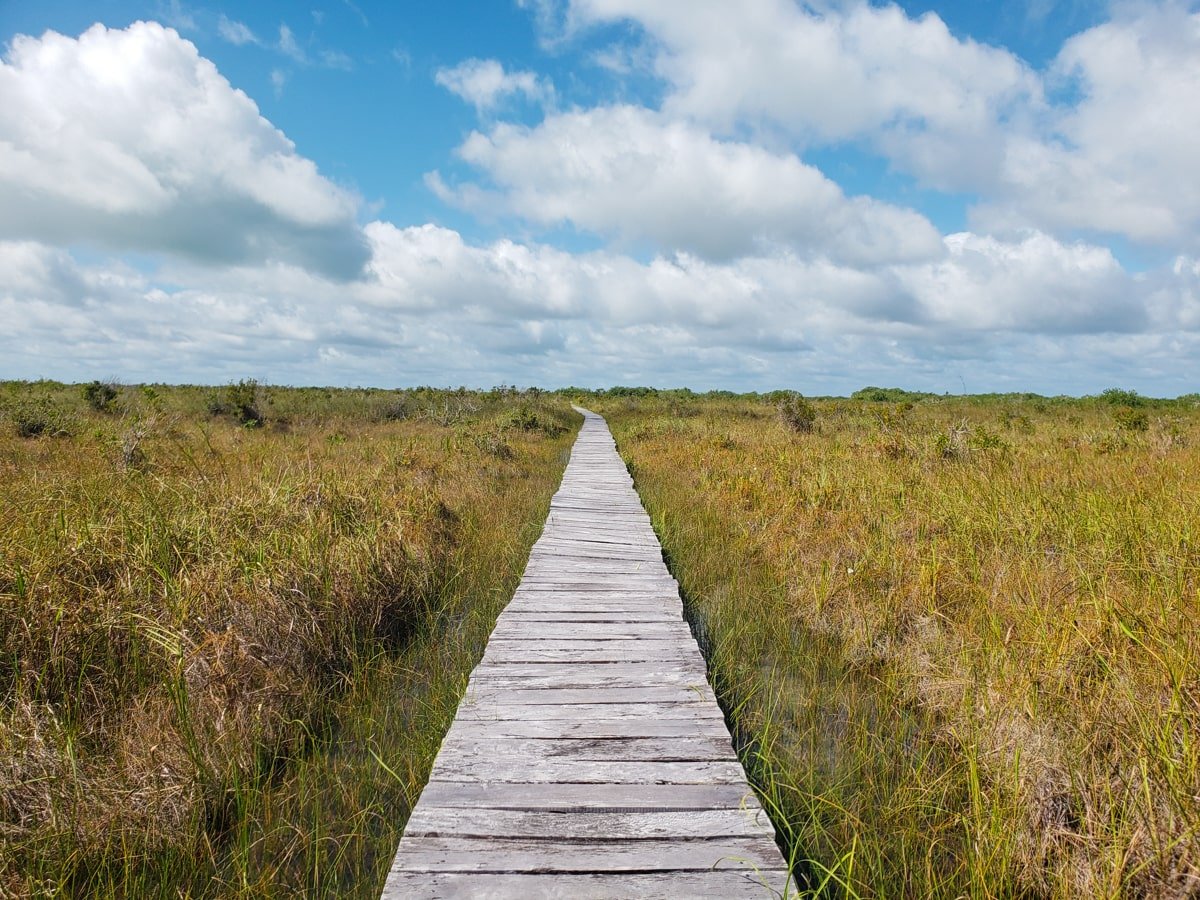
(589, 757)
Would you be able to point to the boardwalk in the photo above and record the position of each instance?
(589, 757)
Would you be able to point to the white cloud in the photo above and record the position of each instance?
(1035, 284)
(761, 272)
(131, 140)
(176, 15)
(1111, 151)
(484, 83)
(288, 45)
(1121, 158)
(834, 72)
(436, 308)
(624, 171)
(237, 33)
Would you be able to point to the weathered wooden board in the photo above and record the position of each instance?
(479, 730)
(652, 886)
(589, 797)
(438, 821)
(712, 746)
(588, 757)
(586, 712)
(505, 854)
(509, 695)
(584, 771)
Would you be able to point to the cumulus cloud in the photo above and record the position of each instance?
(624, 171)
(1122, 156)
(834, 72)
(1103, 141)
(131, 140)
(1035, 284)
(484, 83)
(753, 268)
(433, 306)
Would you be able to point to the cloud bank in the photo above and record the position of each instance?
(154, 225)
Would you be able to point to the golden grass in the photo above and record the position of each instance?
(959, 641)
(228, 654)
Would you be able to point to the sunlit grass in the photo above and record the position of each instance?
(957, 640)
(228, 653)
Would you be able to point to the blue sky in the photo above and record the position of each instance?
(815, 195)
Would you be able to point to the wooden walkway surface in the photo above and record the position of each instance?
(589, 757)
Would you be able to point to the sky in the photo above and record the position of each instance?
(807, 194)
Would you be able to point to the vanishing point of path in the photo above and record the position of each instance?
(589, 757)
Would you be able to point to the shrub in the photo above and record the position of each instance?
(889, 395)
(242, 400)
(396, 410)
(132, 454)
(101, 395)
(1016, 421)
(960, 440)
(1121, 397)
(491, 443)
(798, 414)
(525, 418)
(1131, 419)
(34, 418)
(954, 443)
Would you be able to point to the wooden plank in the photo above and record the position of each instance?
(554, 770)
(668, 726)
(652, 886)
(470, 711)
(586, 657)
(505, 695)
(594, 676)
(642, 671)
(437, 821)
(455, 854)
(583, 638)
(711, 747)
(581, 641)
(575, 615)
(569, 796)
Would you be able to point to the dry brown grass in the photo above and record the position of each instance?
(184, 602)
(997, 602)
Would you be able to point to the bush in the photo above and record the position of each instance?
(797, 414)
(960, 440)
(396, 410)
(241, 402)
(1131, 419)
(35, 418)
(1121, 397)
(525, 418)
(492, 443)
(889, 395)
(101, 396)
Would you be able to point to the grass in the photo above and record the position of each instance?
(235, 623)
(955, 637)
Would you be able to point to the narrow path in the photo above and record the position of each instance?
(589, 757)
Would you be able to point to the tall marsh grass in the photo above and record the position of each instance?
(230, 643)
(957, 639)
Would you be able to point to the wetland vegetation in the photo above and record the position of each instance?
(235, 623)
(956, 638)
